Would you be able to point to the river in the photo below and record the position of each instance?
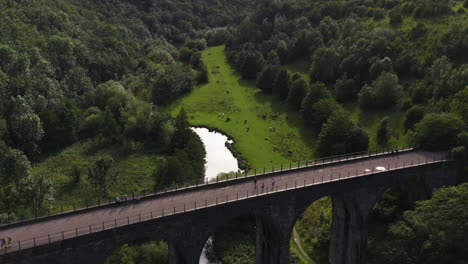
(218, 159)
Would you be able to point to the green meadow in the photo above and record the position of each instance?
(134, 173)
(227, 95)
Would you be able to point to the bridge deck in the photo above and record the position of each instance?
(69, 226)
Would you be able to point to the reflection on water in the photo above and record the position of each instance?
(203, 258)
(218, 159)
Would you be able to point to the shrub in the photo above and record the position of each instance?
(340, 135)
(317, 92)
(266, 78)
(395, 17)
(346, 89)
(418, 31)
(297, 91)
(413, 116)
(384, 92)
(383, 133)
(429, 9)
(438, 131)
(379, 14)
(281, 84)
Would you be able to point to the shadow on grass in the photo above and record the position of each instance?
(292, 118)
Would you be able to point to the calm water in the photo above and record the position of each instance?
(218, 159)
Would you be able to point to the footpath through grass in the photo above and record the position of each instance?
(228, 95)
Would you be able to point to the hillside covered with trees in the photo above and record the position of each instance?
(85, 87)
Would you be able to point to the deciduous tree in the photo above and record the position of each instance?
(103, 174)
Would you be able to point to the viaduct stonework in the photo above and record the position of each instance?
(354, 185)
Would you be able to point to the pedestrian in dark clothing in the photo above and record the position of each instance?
(263, 186)
(255, 182)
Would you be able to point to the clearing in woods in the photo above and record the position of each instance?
(272, 133)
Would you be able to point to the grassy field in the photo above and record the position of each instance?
(134, 172)
(228, 94)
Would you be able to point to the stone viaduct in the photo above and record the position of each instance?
(354, 185)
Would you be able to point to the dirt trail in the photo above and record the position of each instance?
(299, 245)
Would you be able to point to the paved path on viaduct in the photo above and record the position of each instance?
(68, 226)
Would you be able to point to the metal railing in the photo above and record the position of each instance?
(215, 201)
(81, 205)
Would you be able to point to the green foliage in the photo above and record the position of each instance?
(102, 174)
(358, 140)
(438, 131)
(17, 187)
(413, 116)
(384, 92)
(432, 8)
(61, 126)
(395, 17)
(4, 91)
(25, 126)
(459, 154)
(297, 91)
(329, 29)
(182, 131)
(110, 130)
(173, 81)
(444, 80)
(188, 160)
(387, 208)
(250, 65)
(336, 138)
(459, 105)
(434, 232)
(324, 63)
(266, 78)
(308, 41)
(380, 66)
(147, 253)
(39, 191)
(378, 13)
(346, 89)
(322, 110)
(418, 31)
(14, 166)
(383, 132)
(281, 84)
(119, 117)
(314, 225)
(3, 129)
(235, 243)
(317, 92)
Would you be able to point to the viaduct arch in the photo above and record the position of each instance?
(275, 212)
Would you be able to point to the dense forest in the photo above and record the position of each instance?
(88, 81)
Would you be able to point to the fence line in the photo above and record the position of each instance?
(173, 210)
(86, 204)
